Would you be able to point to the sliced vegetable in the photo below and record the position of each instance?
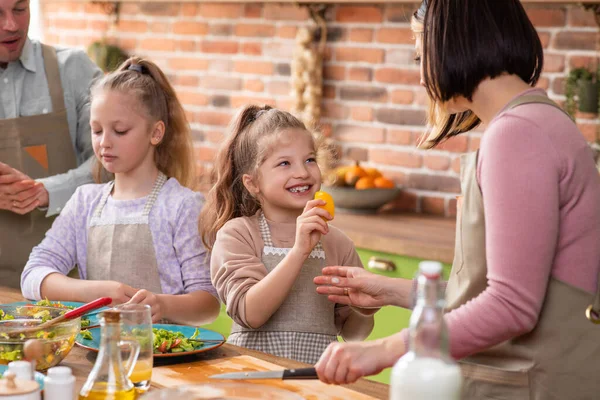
(87, 335)
(166, 341)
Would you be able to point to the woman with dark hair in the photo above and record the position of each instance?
(523, 298)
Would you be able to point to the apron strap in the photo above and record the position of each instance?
(53, 78)
(265, 233)
(532, 99)
(160, 181)
(107, 191)
(592, 313)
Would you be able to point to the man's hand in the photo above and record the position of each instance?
(19, 193)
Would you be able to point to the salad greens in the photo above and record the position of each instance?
(4, 316)
(57, 341)
(85, 322)
(86, 334)
(166, 341)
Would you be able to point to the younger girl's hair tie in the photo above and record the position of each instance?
(136, 67)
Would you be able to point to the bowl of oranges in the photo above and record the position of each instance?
(359, 190)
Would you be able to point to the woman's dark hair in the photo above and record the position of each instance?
(467, 41)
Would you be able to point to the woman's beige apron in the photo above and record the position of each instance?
(39, 146)
(560, 358)
(122, 249)
(304, 325)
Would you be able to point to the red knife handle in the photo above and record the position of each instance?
(79, 311)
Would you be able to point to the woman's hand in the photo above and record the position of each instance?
(357, 287)
(310, 225)
(343, 363)
(146, 297)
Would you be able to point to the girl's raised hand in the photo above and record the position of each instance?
(310, 225)
(146, 297)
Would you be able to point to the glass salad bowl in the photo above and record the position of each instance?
(57, 340)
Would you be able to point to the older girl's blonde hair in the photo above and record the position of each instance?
(143, 79)
(251, 136)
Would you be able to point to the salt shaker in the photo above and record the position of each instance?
(59, 384)
(22, 370)
(12, 388)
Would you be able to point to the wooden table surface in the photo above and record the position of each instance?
(81, 360)
(413, 235)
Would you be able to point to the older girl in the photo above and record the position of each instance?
(134, 239)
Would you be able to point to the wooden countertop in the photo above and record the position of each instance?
(412, 235)
(81, 361)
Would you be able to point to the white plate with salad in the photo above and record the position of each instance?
(169, 340)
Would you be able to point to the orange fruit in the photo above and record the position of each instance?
(354, 174)
(365, 183)
(384, 183)
(330, 206)
(373, 172)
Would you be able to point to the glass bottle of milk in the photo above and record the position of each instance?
(426, 371)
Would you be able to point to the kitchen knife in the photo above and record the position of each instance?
(299, 373)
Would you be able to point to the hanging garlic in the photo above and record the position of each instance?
(307, 73)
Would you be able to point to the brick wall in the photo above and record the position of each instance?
(221, 56)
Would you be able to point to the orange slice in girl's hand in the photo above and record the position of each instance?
(330, 206)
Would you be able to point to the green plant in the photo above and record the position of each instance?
(106, 56)
(575, 79)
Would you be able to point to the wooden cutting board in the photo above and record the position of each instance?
(199, 372)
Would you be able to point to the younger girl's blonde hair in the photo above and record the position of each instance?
(148, 84)
(251, 136)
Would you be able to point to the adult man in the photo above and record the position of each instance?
(44, 135)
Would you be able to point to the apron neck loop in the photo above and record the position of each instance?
(53, 78)
(533, 98)
(265, 233)
(160, 181)
(158, 184)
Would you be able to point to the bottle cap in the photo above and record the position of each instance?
(10, 385)
(431, 269)
(21, 369)
(111, 316)
(60, 372)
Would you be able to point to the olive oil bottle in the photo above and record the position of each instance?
(109, 377)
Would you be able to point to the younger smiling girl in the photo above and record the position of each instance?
(269, 239)
(134, 239)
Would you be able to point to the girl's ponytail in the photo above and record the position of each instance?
(228, 198)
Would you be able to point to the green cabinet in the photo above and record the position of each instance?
(388, 320)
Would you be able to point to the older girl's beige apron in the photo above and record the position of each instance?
(122, 249)
(39, 146)
(560, 358)
(304, 325)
